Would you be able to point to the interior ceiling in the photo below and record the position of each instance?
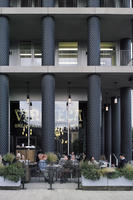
(68, 28)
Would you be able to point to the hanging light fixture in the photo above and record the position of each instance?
(28, 99)
(69, 95)
(106, 108)
(115, 100)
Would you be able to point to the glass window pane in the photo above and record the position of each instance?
(68, 53)
(108, 53)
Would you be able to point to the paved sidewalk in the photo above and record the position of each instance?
(67, 191)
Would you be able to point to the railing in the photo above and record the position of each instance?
(73, 3)
(108, 57)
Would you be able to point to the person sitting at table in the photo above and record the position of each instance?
(42, 162)
(122, 161)
(66, 169)
(92, 161)
(74, 160)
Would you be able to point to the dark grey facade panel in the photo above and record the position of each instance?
(48, 41)
(4, 41)
(48, 3)
(125, 51)
(116, 127)
(93, 116)
(48, 113)
(4, 3)
(108, 133)
(125, 3)
(4, 98)
(126, 130)
(93, 47)
(93, 3)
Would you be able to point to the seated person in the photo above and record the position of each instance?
(92, 161)
(42, 162)
(74, 160)
(122, 161)
(66, 169)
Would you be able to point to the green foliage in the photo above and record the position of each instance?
(13, 171)
(127, 171)
(90, 171)
(51, 158)
(111, 173)
(9, 157)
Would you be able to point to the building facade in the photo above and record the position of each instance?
(66, 74)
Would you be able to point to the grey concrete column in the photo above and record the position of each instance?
(48, 3)
(48, 113)
(4, 84)
(4, 41)
(4, 98)
(108, 133)
(126, 130)
(48, 85)
(93, 3)
(93, 47)
(4, 3)
(116, 127)
(102, 135)
(48, 41)
(125, 51)
(93, 116)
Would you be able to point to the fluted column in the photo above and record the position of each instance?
(4, 3)
(48, 85)
(48, 3)
(108, 133)
(93, 47)
(116, 127)
(93, 116)
(102, 135)
(125, 51)
(126, 130)
(48, 109)
(4, 84)
(93, 3)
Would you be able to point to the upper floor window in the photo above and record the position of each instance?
(25, 3)
(30, 53)
(68, 53)
(67, 3)
(108, 53)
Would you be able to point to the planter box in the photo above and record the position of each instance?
(121, 181)
(87, 182)
(105, 183)
(5, 183)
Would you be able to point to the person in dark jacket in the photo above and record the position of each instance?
(122, 161)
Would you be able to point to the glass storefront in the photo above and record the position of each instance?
(67, 119)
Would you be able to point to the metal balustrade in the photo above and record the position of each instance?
(68, 58)
(72, 3)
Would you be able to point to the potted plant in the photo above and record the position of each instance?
(11, 174)
(51, 158)
(92, 175)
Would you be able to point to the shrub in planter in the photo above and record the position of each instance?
(90, 171)
(127, 171)
(51, 158)
(111, 173)
(8, 158)
(13, 171)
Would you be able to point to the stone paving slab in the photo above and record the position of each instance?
(66, 191)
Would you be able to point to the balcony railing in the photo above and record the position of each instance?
(73, 58)
(73, 3)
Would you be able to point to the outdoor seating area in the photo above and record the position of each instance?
(50, 169)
